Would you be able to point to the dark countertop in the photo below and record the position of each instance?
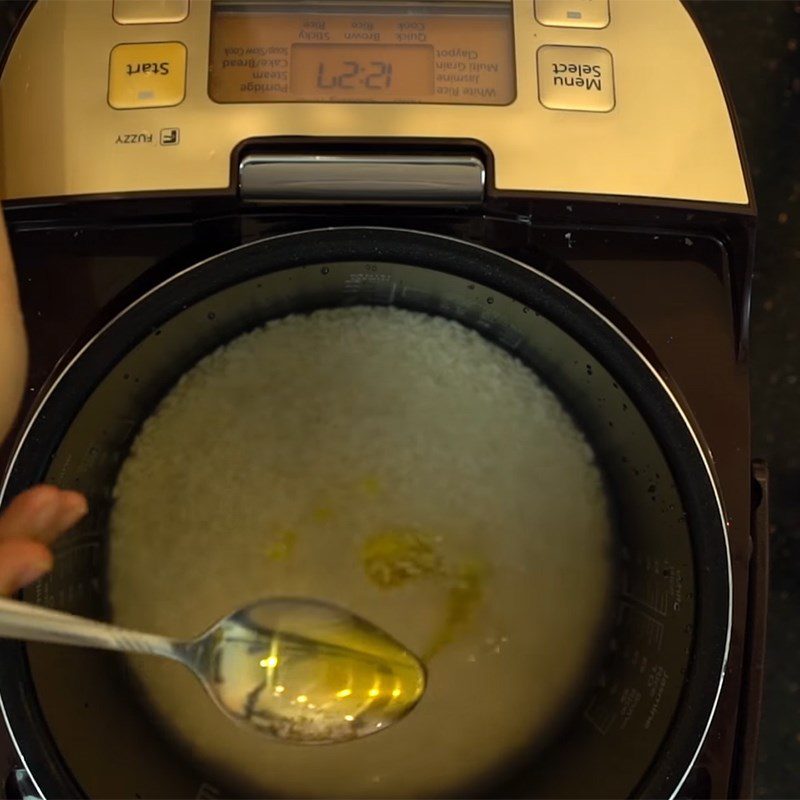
(756, 44)
(757, 49)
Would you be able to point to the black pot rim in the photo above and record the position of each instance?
(600, 331)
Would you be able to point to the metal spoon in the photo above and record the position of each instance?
(294, 669)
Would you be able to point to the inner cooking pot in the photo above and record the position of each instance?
(77, 723)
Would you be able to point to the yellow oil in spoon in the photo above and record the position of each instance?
(309, 672)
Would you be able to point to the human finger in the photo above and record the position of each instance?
(42, 513)
(22, 561)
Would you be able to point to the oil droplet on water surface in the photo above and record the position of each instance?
(282, 544)
(312, 673)
(393, 558)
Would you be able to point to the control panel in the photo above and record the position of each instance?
(576, 97)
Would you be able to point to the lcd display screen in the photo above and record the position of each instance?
(322, 52)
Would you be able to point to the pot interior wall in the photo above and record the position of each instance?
(114, 749)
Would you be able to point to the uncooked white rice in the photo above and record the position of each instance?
(397, 464)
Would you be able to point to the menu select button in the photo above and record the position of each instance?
(575, 78)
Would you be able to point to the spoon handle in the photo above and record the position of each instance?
(26, 621)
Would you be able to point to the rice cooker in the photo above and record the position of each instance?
(563, 176)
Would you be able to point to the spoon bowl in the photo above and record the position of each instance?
(307, 671)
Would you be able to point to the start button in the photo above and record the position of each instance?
(147, 75)
(575, 78)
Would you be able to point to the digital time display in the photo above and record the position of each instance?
(454, 52)
(338, 71)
